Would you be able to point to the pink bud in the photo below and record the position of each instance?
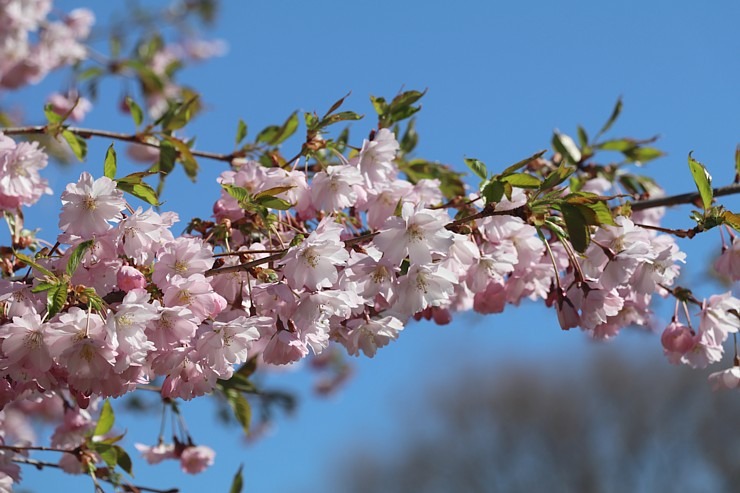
(678, 338)
(129, 278)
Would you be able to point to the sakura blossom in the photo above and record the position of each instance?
(89, 206)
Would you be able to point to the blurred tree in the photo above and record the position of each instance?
(615, 424)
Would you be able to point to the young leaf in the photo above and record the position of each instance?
(29, 261)
(242, 410)
(238, 482)
(732, 219)
(493, 191)
(477, 167)
(239, 193)
(56, 297)
(135, 111)
(106, 420)
(522, 180)
(703, 181)
(567, 148)
(519, 165)
(109, 166)
(241, 131)
(737, 163)
(575, 223)
(167, 157)
(615, 114)
(140, 190)
(76, 257)
(271, 192)
(124, 461)
(273, 203)
(182, 114)
(51, 115)
(76, 143)
(274, 135)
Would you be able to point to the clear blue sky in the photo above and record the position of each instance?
(501, 76)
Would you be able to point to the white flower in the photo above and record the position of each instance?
(418, 233)
(88, 206)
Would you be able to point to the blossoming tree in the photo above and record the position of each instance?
(322, 243)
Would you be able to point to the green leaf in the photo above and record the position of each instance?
(603, 214)
(493, 192)
(274, 135)
(76, 143)
(477, 167)
(239, 193)
(731, 219)
(567, 148)
(43, 286)
(273, 203)
(522, 180)
(519, 165)
(141, 191)
(56, 297)
(51, 115)
(339, 117)
(703, 181)
(110, 164)
(135, 111)
(28, 260)
(238, 482)
(271, 192)
(557, 177)
(241, 131)
(167, 157)
(410, 137)
(379, 105)
(615, 114)
(582, 137)
(124, 461)
(134, 178)
(643, 154)
(182, 114)
(737, 163)
(184, 155)
(108, 453)
(106, 420)
(242, 410)
(76, 256)
(619, 145)
(337, 104)
(575, 223)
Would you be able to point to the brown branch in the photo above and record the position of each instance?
(126, 487)
(684, 198)
(86, 133)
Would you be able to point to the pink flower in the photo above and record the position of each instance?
(334, 188)
(182, 257)
(284, 347)
(314, 262)
(130, 278)
(422, 286)
(196, 294)
(143, 233)
(158, 453)
(89, 205)
(20, 182)
(377, 155)
(194, 460)
(726, 379)
(418, 233)
(677, 340)
(25, 346)
(369, 335)
(71, 103)
(720, 316)
(728, 264)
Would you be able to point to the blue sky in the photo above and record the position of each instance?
(500, 77)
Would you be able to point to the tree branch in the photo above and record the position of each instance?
(684, 198)
(86, 133)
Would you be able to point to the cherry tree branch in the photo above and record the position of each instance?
(86, 133)
(684, 198)
(125, 487)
